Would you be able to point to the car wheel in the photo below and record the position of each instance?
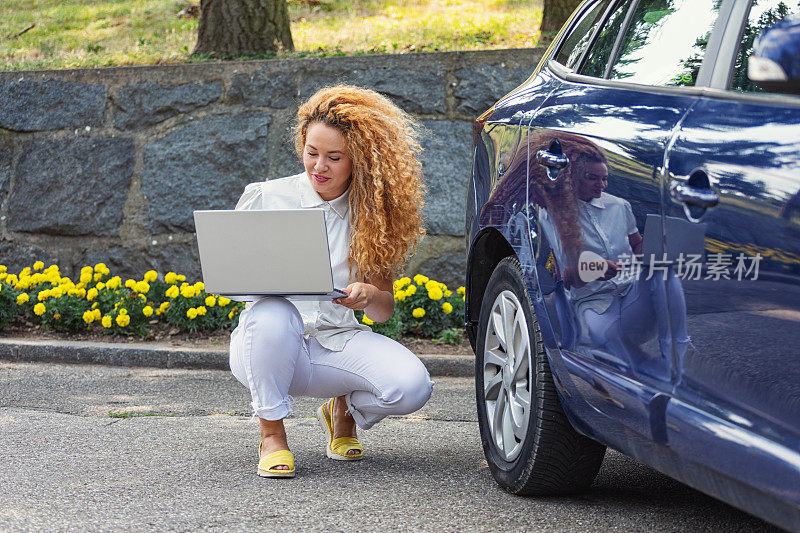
(530, 445)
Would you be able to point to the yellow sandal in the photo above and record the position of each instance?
(267, 463)
(337, 448)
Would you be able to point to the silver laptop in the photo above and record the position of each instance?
(246, 255)
(678, 236)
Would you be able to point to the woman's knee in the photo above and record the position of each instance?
(409, 391)
(278, 314)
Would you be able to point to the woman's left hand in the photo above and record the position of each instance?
(359, 296)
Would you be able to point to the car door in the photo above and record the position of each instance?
(737, 398)
(613, 331)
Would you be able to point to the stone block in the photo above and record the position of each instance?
(479, 87)
(147, 103)
(446, 166)
(133, 261)
(284, 160)
(18, 255)
(202, 165)
(27, 105)
(419, 91)
(450, 269)
(263, 89)
(5, 167)
(73, 186)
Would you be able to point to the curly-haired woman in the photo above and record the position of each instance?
(359, 153)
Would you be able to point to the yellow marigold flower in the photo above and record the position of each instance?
(230, 315)
(38, 265)
(12, 279)
(43, 295)
(199, 286)
(94, 305)
(88, 317)
(56, 316)
(100, 267)
(430, 284)
(3, 269)
(3, 276)
(39, 309)
(400, 283)
(23, 298)
(418, 312)
(211, 301)
(188, 291)
(97, 314)
(172, 292)
(419, 279)
(106, 321)
(411, 290)
(100, 286)
(191, 313)
(223, 301)
(171, 278)
(460, 291)
(447, 308)
(114, 283)
(181, 277)
(25, 272)
(448, 294)
(163, 307)
(23, 284)
(147, 311)
(80, 292)
(130, 283)
(97, 276)
(435, 293)
(366, 320)
(123, 320)
(150, 276)
(400, 296)
(123, 311)
(201, 310)
(87, 268)
(142, 286)
(91, 294)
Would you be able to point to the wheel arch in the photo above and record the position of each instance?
(487, 250)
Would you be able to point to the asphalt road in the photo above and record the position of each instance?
(190, 465)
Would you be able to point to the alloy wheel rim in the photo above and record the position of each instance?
(506, 375)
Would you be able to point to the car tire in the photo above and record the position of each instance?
(530, 446)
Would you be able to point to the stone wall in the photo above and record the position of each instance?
(108, 164)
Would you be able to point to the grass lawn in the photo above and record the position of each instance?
(91, 33)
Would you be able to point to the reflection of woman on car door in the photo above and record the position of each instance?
(616, 314)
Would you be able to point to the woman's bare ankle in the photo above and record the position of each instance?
(273, 436)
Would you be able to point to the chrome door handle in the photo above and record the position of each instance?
(688, 195)
(553, 159)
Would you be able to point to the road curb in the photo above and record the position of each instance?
(164, 356)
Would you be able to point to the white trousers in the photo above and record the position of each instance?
(377, 375)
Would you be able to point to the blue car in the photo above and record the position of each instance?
(633, 237)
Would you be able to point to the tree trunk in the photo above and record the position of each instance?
(555, 13)
(243, 27)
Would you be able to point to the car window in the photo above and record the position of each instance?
(763, 14)
(665, 42)
(595, 64)
(578, 40)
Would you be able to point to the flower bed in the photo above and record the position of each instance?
(103, 303)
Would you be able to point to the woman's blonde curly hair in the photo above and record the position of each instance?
(386, 190)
